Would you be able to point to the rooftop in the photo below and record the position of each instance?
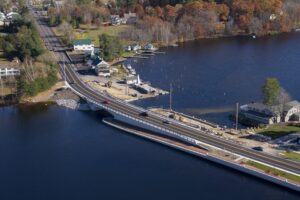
(82, 42)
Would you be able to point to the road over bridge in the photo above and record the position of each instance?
(123, 110)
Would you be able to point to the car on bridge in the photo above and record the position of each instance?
(258, 148)
(166, 122)
(144, 114)
(105, 102)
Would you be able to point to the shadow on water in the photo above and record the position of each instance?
(32, 110)
(204, 111)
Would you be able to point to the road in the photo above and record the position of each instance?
(74, 81)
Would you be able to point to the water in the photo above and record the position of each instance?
(54, 153)
(215, 74)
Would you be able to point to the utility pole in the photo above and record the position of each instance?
(1, 83)
(171, 91)
(236, 116)
(65, 77)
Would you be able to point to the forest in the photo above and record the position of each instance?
(169, 21)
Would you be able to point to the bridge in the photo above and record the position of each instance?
(131, 114)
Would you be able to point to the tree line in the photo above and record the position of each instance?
(168, 21)
(22, 43)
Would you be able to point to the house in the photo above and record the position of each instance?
(273, 17)
(128, 48)
(263, 114)
(115, 20)
(136, 47)
(2, 19)
(9, 72)
(132, 80)
(13, 15)
(149, 47)
(59, 4)
(129, 18)
(99, 65)
(103, 72)
(97, 61)
(83, 45)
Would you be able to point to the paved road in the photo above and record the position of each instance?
(52, 42)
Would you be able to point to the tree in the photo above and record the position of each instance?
(68, 32)
(271, 90)
(110, 47)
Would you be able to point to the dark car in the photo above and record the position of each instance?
(105, 102)
(258, 148)
(144, 114)
(166, 122)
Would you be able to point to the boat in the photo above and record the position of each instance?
(132, 71)
(129, 67)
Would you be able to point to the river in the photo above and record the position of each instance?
(210, 76)
(54, 153)
(48, 152)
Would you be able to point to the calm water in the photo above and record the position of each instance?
(54, 153)
(210, 76)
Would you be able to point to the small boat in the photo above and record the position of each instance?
(133, 72)
(129, 67)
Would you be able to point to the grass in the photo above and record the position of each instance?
(274, 172)
(93, 34)
(276, 131)
(121, 72)
(292, 156)
(6, 91)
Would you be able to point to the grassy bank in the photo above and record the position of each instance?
(278, 130)
(7, 91)
(274, 172)
(292, 155)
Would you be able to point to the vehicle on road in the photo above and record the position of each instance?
(144, 114)
(105, 102)
(166, 122)
(258, 148)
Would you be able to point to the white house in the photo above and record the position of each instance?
(2, 19)
(132, 80)
(12, 15)
(83, 45)
(149, 47)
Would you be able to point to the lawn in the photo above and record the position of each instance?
(276, 131)
(6, 91)
(94, 33)
(292, 156)
(274, 172)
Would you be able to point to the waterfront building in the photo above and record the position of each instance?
(149, 47)
(131, 80)
(264, 114)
